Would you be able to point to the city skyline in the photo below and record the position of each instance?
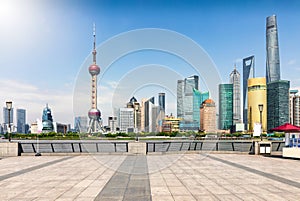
(44, 44)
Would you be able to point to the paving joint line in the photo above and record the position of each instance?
(258, 172)
(23, 171)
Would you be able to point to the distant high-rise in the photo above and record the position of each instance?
(208, 116)
(185, 97)
(126, 120)
(198, 98)
(235, 80)
(5, 115)
(185, 107)
(21, 121)
(113, 124)
(293, 96)
(47, 120)
(161, 101)
(133, 103)
(148, 106)
(248, 72)
(225, 106)
(278, 103)
(296, 111)
(81, 124)
(272, 48)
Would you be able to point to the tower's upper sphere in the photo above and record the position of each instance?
(94, 114)
(94, 69)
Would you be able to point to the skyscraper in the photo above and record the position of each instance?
(225, 106)
(235, 80)
(21, 121)
(47, 120)
(198, 98)
(5, 119)
(272, 48)
(296, 111)
(126, 120)
(185, 102)
(208, 116)
(257, 95)
(161, 101)
(81, 124)
(5, 115)
(293, 96)
(248, 72)
(148, 105)
(278, 103)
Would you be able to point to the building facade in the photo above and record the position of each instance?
(248, 73)
(296, 111)
(126, 120)
(170, 124)
(225, 106)
(235, 80)
(185, 97)
(113, 124)
(47, 120)
(257, 95)
(272, 50)
(293, 95)
(81, 124)
(21, 121)
(208, 116)
(278, 103)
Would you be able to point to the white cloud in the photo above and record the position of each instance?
(34, 99)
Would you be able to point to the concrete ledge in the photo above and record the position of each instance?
(9, 149)
(291, 152)
(76, 153)
(137, 148)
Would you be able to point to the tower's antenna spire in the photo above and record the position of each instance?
(235, 65)
(94, 50)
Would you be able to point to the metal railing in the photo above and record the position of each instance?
(73, 147)
(206, 145)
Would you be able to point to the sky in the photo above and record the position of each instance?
(45, 49)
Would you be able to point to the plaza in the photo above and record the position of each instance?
(186, 176)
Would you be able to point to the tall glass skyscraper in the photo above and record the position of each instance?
(185, 97)
(162, 101)
(21, 121)
(248, 72)
(198, 99)
(225, 106)
(272, 60)
(278, 103)
(235, 80)
(185, 102)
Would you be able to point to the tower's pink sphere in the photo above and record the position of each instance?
(94, 69)
(94, 114)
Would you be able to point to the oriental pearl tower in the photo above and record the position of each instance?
(94, 113)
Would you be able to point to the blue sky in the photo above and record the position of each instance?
(44, 44)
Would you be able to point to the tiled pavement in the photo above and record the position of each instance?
(152, 177)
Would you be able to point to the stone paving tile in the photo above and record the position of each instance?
(184, 198)
(162, 198)
(172, 177)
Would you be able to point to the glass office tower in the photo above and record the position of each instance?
(272, 48)
(248, 72)
(225, 106)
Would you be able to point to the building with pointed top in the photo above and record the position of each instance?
(248, 73)
(235, 80)
(94, 113)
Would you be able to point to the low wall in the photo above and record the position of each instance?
(9, 149)
(291, 152)
(137, 148)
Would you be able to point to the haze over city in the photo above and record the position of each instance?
(45, 45)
